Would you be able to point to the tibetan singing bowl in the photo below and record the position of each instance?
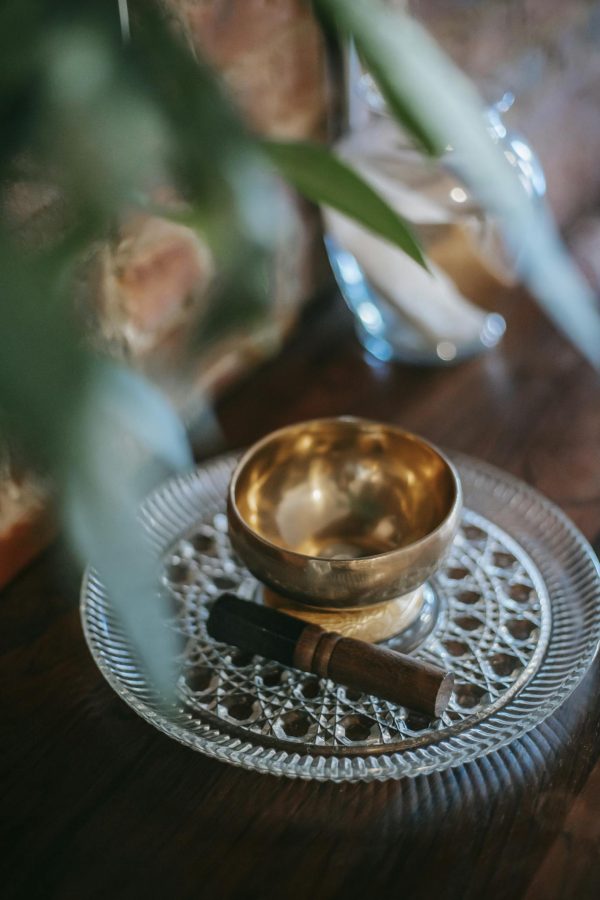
(343, 513)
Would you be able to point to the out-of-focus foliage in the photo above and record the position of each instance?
(321, 177)
(107, 121)
(440, 108)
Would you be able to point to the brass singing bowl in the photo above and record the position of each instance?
(341, 513)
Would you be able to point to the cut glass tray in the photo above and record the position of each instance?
(518, 622)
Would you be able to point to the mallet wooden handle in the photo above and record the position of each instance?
(374, 670)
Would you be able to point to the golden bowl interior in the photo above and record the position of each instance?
(343, 489)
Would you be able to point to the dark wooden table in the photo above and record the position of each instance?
(96, 804)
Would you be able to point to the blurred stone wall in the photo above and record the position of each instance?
(272, 57)
(271, 54)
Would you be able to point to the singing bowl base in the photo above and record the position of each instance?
(407, 619)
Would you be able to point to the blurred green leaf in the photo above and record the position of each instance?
(325, 179)
(349, 22)
(43, 367)
(414, 73)
(106, 124)
(124, 426)
(94, 426)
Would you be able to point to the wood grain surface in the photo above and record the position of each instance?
(96, 804)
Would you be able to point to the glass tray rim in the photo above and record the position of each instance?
(526, 709)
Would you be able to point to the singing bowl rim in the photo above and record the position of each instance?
(236, 520)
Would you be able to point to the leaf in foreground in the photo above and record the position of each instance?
(323, 178)
(414, 74)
